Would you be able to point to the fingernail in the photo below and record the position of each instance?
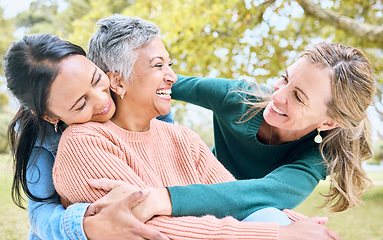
(145, 191)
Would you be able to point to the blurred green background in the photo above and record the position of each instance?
(248, 39)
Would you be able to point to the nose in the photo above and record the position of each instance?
(99, 99)
(279, 94)
(170, 76)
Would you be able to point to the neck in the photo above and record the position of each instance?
(271, 135)
(131, 118)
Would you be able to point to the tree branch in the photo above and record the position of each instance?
(371, 33)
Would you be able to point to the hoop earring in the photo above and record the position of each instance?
(318, 138)
(56, 127)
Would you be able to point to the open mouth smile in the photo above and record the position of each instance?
(277, 110)
(105, 110)
(164, 93)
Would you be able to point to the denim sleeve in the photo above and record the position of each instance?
(49, 219)
(166, 118)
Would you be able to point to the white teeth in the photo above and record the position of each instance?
(277, 110)
(164, 92)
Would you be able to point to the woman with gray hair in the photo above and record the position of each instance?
(135, 148)
(72, 87)
(284, 141)
(33, 67)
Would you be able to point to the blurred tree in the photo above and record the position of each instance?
(255, 39)
(377, 153)
(230, 39)
(39, 17)
(85, 14)
(6, 37)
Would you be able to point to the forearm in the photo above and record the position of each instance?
(284, 188)
(209, 227)
(205, 92)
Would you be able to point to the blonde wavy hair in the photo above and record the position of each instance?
(343, 148)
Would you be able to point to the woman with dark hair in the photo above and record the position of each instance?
(32, 65)
(94, 104)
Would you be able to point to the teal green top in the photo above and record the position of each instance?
(279, 176)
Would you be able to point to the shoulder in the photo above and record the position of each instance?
(249, 90)
(50, 140)
(85, 130)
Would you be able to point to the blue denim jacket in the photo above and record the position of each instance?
(49, 220)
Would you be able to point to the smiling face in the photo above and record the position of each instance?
(148, 90)
(299, 101)
(80, 93)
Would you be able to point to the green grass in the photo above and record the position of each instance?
(364, 222)
(14, 223)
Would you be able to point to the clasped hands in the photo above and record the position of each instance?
(155, 201)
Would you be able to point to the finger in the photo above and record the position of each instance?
(319, 220)
(135, 198)
(104, 183)
(91, 210)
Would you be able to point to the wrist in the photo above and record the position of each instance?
(163, 201)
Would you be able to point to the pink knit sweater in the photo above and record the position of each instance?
(166, 155)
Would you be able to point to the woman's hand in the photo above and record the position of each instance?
(157, 203)
(116, 222)
(309, 228)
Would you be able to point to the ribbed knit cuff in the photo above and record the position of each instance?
(73, 221)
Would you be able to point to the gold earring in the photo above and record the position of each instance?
(318, 138)
(56, 127)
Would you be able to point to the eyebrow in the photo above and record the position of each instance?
(159, 58)
(151, 60)
(91, 82)
(300, 90)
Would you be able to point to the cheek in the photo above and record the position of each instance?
(81, 117)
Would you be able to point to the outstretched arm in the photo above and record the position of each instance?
(285, 187)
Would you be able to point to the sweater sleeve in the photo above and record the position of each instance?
(285, 187)
(84, 157)
(204, 92)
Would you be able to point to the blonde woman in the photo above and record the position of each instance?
(282, 142)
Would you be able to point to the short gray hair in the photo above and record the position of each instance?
(113, 47)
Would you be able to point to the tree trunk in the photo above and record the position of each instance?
(372, 33)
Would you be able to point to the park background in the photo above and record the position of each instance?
(255, 40)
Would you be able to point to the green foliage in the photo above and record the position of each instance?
(377, 153)
(5, 119)
(6, 37)
(3, 100)
(39, 17)
(231, 38)
(234, 38)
